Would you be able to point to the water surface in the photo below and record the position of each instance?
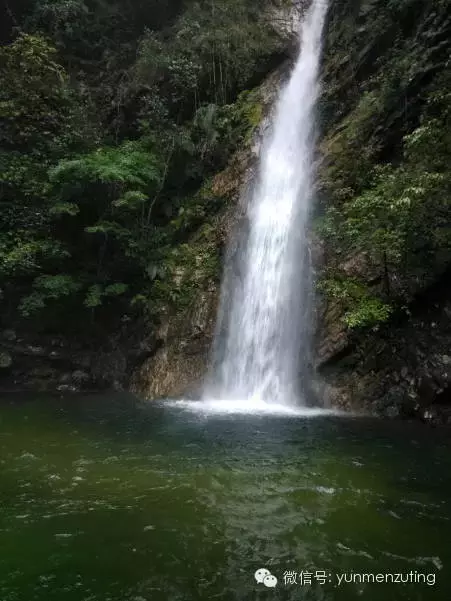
(110, 499)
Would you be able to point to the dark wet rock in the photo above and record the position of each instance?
(38, 351)
(9, 335)
(47, 364)
(6, 360)
(402, 370)
(392, 411)
(436, 415)
(44, 372)
(66, 388)
(109, 369)
(65, 378)
(81, 378)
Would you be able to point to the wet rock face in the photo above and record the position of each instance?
(401, 370)
(45, 364)
(286, 17)
(179, 365)
(55, 364)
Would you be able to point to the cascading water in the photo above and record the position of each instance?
(261, 323)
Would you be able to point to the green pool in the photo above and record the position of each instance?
(110, 499)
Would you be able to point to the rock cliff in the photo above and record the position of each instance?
(383, 309)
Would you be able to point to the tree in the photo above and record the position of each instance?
(41, 121)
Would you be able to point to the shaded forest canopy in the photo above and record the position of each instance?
(114, 114)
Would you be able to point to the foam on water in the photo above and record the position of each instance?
(249, 407)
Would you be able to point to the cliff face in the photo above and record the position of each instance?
(383, 308)
(380, 234)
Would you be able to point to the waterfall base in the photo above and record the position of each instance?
(253, 407)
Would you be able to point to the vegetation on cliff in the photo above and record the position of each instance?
(114, 115)
(386, 178)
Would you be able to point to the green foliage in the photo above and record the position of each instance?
(114, 117)
(127, 165)
(405, 212)
(22, 254)
(187, 270)
(113, 190)
(64, 208)
(398, 217)
(42, 120)
(380, 57)
(214, 49)
(367, 312)
(243, 117)
(353, 148)
(94, 296)
(362, 309)
(96, 293)
(373, 221)
(194, 211)
(47, 288)
(39, 111)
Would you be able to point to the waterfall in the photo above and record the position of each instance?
(264, 319)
